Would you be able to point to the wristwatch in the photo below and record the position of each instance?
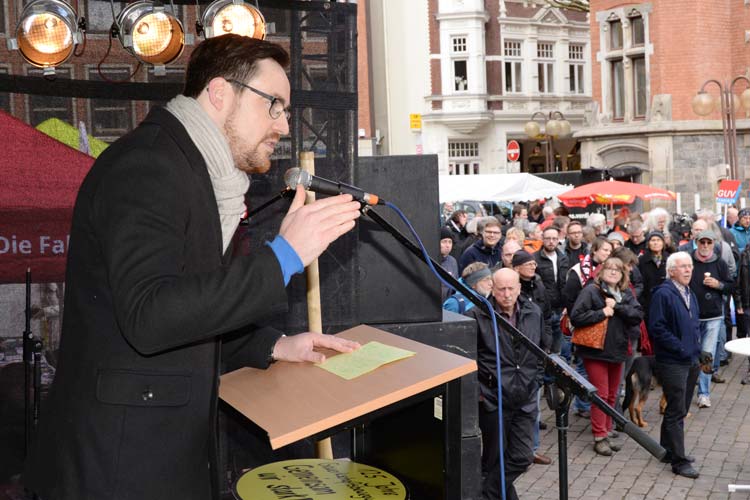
(271, 360)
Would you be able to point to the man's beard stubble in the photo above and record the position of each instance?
(246, 158)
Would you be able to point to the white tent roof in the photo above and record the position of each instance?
(498, 187)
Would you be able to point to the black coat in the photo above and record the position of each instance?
(480, 253)
(533, 290)
(710, 300)
(652, 276)
(624, 326)
(554, 286)
(520, 369)
(150, 304)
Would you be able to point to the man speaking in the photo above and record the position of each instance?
(155, 303)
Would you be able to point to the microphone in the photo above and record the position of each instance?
(296, 175)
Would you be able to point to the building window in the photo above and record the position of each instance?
(545, 52)
(576, 68)
(639, 86)
(3, 16)
(458, 44)
(110, 118)
(637, 30)
(42, 107)
(463, 158)
(615, 35)
(513, 67)
(618, 91)
(460, 75)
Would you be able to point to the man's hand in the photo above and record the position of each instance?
(711, 282)
(300, 347)
(309, 229)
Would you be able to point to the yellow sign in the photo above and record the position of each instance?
(415, 121)
(312, 478)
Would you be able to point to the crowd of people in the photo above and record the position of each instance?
(668, 288)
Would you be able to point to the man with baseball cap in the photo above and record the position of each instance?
(710, 281)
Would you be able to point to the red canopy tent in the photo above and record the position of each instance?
(612, 193)
(39, 180)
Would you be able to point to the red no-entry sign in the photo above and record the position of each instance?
(514, 151)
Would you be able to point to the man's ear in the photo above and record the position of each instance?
(220, 94)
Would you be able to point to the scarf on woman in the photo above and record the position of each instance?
(229, 183)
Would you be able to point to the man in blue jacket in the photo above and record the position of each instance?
(673, 325)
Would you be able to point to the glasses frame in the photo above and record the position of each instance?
(272, 100)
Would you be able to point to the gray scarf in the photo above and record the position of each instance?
(230, 183)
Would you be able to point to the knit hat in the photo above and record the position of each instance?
(614, 235)
(744, 213)
(521, 257)
(658, 234)
(477, 276)
(445, 233)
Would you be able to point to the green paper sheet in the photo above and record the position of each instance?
(365, 359)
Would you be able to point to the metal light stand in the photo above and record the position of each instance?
(32, 364)
(728, 122)
(567, 381)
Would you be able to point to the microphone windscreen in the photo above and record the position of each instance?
(292, 177)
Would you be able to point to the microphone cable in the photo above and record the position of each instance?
(495, 335)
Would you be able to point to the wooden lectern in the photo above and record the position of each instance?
(403, 417)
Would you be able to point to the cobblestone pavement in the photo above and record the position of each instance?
(718, 437)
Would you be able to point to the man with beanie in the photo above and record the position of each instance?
(710, 282)
(447, 260)
(476, 276)
(741, 229)
(532, 290)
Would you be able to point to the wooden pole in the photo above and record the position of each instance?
(323, 447)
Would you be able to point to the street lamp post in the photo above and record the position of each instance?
(555, 125)
(704, 103)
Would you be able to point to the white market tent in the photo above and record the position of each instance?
(498, 187)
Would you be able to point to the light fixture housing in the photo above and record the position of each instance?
(233, 16)
(47, 33)
(150, 33)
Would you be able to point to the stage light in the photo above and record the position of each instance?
(233, 16)
(150, 33)
(47, 33)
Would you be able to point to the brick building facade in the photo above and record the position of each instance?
(650, 60)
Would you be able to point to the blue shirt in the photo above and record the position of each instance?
(288, 259)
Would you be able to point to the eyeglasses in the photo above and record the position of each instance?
(493, 233)
(276, 108)
(613, 269)
(706, 242)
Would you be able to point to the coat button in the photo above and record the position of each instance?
(147, 395)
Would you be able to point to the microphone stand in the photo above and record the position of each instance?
(567, 381)
(32, 365)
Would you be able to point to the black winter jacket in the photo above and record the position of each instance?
(520, 369)
(534, 291)
(710, 300)
(554, 287)
(652, 276)
(622, 327)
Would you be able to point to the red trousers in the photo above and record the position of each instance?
(605, 377)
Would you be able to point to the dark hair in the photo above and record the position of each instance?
(457, 214)
(562, 211)
(575, 222)
(517, 209)
(232, 57)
